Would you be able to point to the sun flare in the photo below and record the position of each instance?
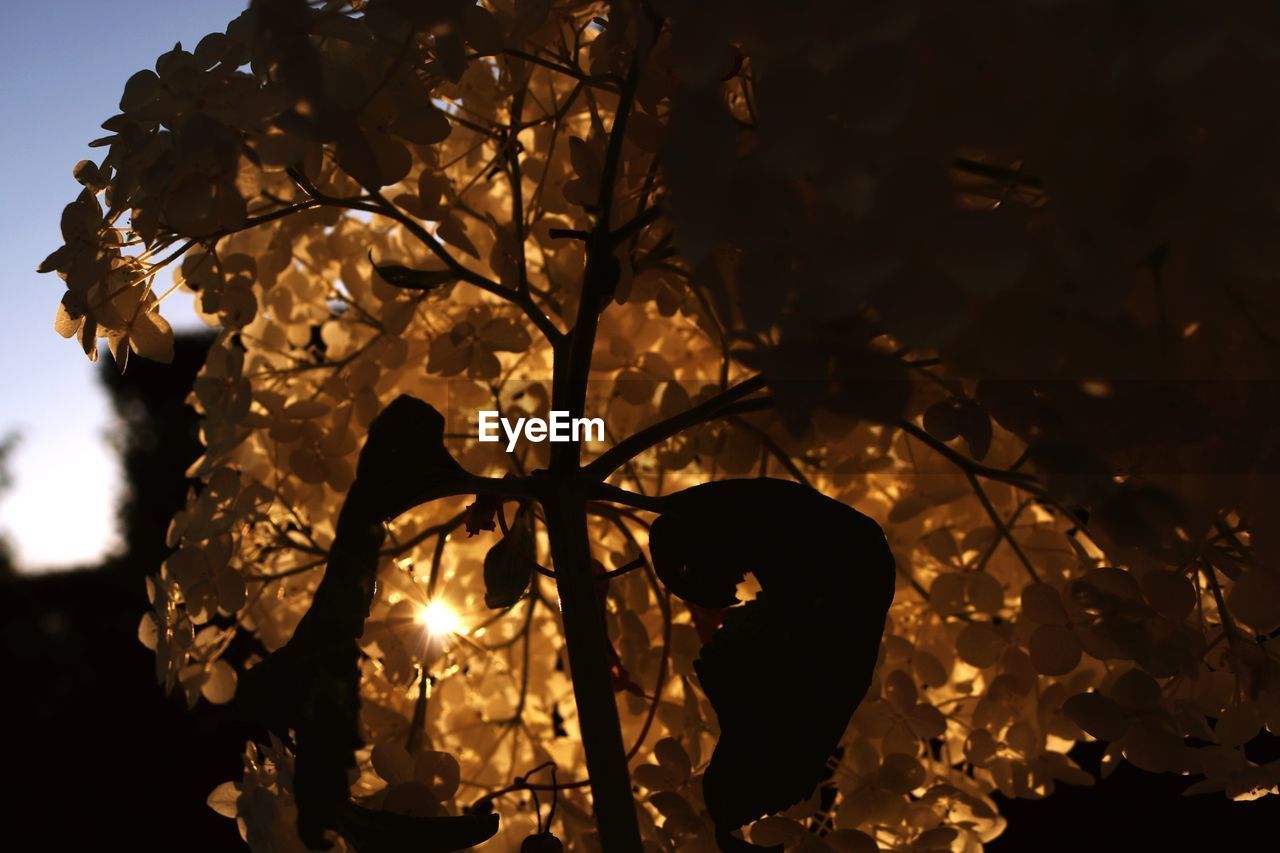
(439, 618)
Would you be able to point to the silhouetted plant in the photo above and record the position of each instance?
(1000, 275)
(7, 444)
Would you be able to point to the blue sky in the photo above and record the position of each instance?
(64, 64)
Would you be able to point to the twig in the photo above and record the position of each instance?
(637, 443)
(1000, 525)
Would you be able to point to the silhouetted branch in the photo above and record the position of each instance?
(384, 207)
(609, 83)
(1026, 482)
(634, 445)
(636, 225)
(773, 448)
(1000, 525)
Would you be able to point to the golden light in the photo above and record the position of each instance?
(439, 618)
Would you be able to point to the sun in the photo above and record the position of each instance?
(439, 619)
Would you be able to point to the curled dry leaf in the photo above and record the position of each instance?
(826, 578)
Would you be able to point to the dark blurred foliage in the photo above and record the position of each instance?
(105, 759)
(7, 444)
(1133, 809)
(158, 439)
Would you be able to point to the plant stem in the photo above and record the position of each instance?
(565, 506)
(585, 638)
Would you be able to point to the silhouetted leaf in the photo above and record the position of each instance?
(385, 832)
(787, 670)
(508, 566)
(412, 279)
(481, 514)
(425, 125)
(541, 842)
(944, 420)
(976, 429)
(403, 455)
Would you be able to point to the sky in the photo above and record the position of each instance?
(64, 64)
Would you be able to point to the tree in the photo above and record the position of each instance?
(158, 438)
(73, 634)
(1000, 276)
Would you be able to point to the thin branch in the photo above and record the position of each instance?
(418, 725)
(639, 442)
(1026, 482)
(773, 448)
(637, 224)
(600, 278)
(1228, 626)
(512, 148)
(286, 573)
(1000, 525)
(610, 85)
(616, 494)
(385, 208)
